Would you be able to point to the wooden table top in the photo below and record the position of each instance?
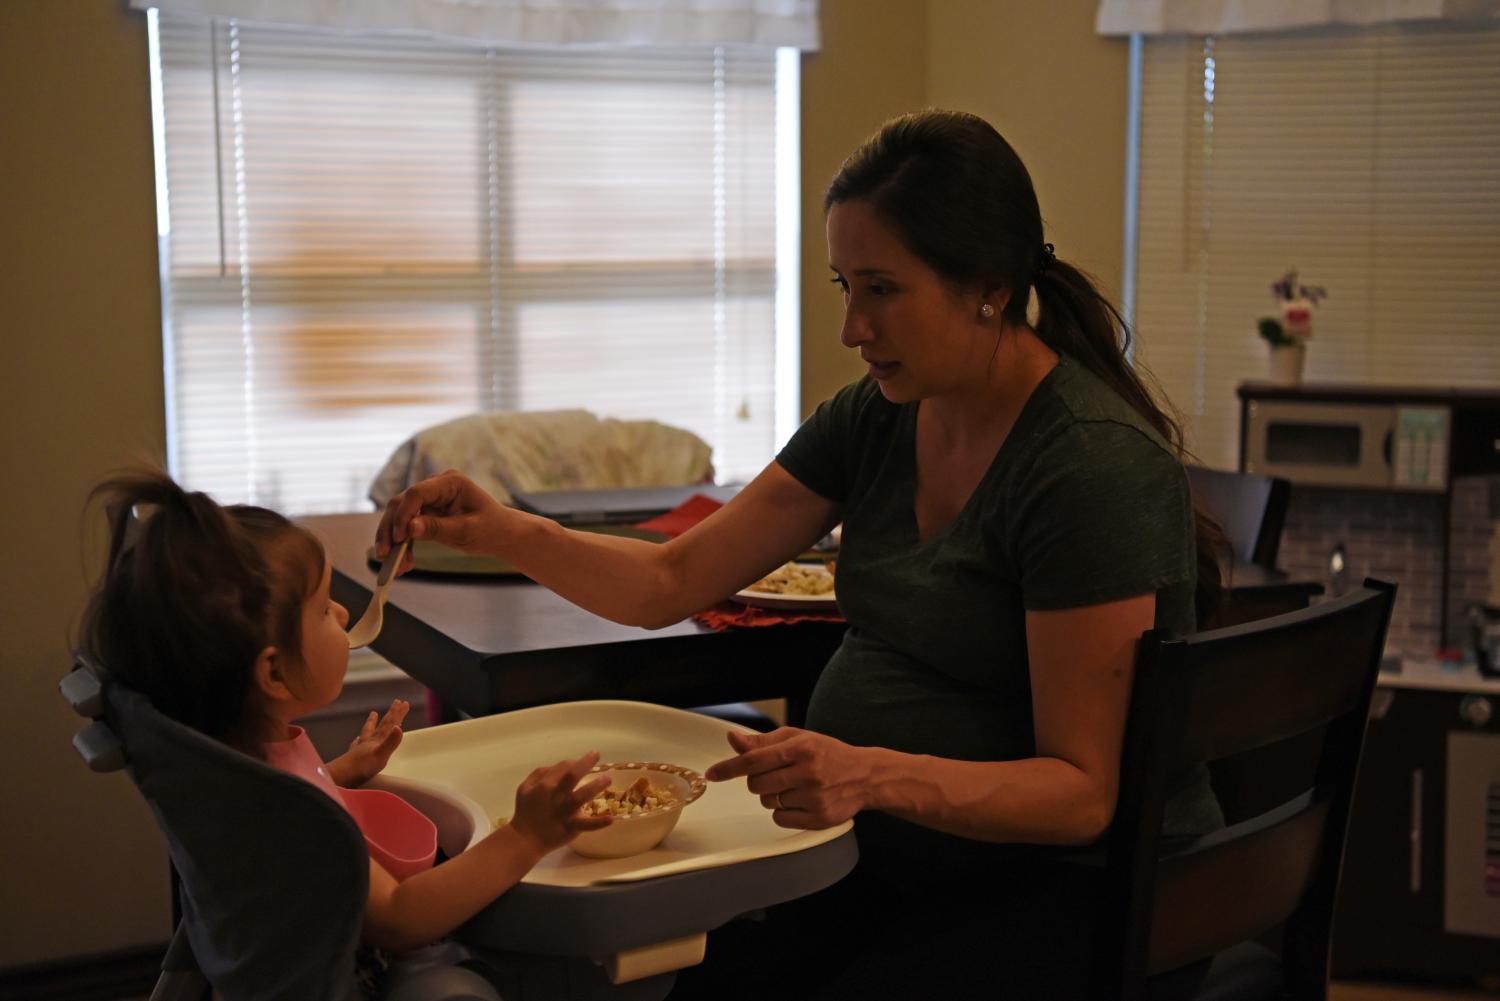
(492, 644)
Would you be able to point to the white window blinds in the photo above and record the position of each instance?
(369, 235)
(511, 23)
(1369, 159)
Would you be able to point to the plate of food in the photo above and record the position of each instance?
(806, 587)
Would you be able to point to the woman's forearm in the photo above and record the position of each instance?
(1034, 800)
(630, 581)
(429, 905)
(653, 585)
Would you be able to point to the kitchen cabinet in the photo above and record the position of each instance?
(1420, 892)
(1382, 439)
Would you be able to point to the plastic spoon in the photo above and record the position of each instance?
(368, 627)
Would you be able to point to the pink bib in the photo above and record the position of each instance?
(400, 837)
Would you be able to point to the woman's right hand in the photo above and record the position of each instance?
(449, 508)
(548, 802)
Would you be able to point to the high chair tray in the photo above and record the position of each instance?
(465, 775)
(724, 858)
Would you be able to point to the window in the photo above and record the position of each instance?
(368, 235)
(1369, 159)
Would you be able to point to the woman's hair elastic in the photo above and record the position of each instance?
(1045, 259)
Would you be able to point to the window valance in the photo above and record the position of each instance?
(761, 24)
(1228, 17)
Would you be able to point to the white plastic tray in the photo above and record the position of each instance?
(465, 775)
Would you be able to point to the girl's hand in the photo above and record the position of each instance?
(808, 780)
(449, 508)
(548, 802)
(370, 751)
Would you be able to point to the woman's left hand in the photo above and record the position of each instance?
(808, 780)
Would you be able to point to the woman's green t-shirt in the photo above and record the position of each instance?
(1083, 504)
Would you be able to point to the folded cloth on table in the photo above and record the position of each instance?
(682, 517)
(726, 614)
(532, 451)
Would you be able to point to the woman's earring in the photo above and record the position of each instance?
(986, 311)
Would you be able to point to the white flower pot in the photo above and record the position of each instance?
(1286, 364)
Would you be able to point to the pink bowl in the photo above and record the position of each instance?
(399, 836)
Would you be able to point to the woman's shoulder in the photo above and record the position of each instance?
(1082, 437)
(863, 395)
(845, 436)
(858, 408)
(1086, 421)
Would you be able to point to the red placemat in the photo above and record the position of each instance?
(726, 614)
(731, 615)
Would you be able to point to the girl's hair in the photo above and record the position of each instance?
(958, 197)
(190, 596)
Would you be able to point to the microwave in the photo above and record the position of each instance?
(1384, 446)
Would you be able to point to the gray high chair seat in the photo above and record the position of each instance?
(273, 874)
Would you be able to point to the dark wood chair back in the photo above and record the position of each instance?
(1250, 509)
(1209, 696)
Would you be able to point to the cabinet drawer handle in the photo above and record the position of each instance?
(1415, 834)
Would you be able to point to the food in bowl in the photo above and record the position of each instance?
(797, 578)
(644, 800)
(641, 796)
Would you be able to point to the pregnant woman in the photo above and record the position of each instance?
(1015, 515)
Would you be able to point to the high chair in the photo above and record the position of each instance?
(273, 873)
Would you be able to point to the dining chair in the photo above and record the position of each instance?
(1250, 509)
(1211, 695)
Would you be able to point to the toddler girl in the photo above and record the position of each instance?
(221, 617)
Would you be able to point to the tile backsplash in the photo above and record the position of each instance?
(1398, 537)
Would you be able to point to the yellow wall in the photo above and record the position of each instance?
(1036, 70)
(871, 67)
(81, 868)
(82, 391)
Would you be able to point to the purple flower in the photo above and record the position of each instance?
(1289, 289)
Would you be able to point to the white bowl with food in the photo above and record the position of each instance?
(644, 801)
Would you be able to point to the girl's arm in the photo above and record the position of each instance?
(427, 906)
(1082, 661)
(630, 581)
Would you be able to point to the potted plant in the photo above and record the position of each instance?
(1289, 333)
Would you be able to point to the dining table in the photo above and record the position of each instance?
(488, 644)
